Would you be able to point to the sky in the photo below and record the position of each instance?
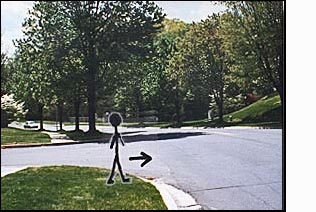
(14, 12)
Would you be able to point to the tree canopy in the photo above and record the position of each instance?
(90, 57)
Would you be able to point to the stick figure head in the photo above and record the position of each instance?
(115, 119)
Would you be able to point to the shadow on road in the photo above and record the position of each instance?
(159, 136)
(131, 132)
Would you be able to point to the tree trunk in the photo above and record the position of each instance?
(91, 106)
(40, 112)
(91, 87)
(220, 113)
(60, 115)
(177, 105)
(138, 104)
(77, 108)
(4, 119)
(220, 106)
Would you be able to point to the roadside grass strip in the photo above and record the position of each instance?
(19, 136)
(75, 188)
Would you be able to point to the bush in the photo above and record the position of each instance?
(11, 109)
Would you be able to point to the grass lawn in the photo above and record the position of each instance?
(75, 188)
(268, 107)
(266, 112)
(195, 123)
(13, 135)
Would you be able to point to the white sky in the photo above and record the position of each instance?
(14, 12)
(12, 16)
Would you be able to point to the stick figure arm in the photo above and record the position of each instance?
(122, 141)
(112, 142)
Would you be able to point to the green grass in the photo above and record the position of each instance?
(13, 136)
(195, 123)
(75, 188)
(267, 108)
(265, 112)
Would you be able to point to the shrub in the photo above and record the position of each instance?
(11, 109)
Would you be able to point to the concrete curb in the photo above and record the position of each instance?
(174, 198)
(50, 144)
(5, 170)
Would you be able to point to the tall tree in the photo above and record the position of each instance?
(35, 68)
(166, 42)
(257, 27)
(48, 44)
(110, 31)
(30, 79)
(199, 68)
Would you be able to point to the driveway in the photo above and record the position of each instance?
(231, 168)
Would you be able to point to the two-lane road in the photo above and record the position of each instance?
(227, 168)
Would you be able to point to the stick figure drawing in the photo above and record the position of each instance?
(115, 120)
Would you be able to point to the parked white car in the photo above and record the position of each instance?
(30, 124)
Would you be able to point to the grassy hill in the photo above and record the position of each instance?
(268, 108)
(264, 112)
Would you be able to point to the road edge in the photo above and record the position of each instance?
(174, 198)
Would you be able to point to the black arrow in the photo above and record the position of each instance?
(144, 156)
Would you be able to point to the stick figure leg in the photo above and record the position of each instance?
(110, 179)
(125, 180)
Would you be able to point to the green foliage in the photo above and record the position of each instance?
(14, 110)
(44, 57)
(126, 56)
(254, 39)
(147, 86)
(258, 111)
(70, 41)
(199, 67)
(110, 32)
(166, 47)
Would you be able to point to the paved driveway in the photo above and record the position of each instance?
(231, 168)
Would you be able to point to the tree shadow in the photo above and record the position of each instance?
(101, 138)
(131, 132)
(158, 136)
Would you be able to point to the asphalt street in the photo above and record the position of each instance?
(230, 168)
